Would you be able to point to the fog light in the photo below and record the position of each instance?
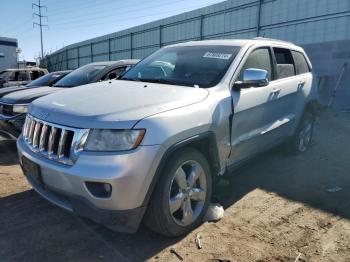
(97, 189)
(107, 187)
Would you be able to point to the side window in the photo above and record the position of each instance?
(284, 63)
(301, 65)
(22, 76)
(114, 73)
(34, 75)
(259, 59)
(11, 76)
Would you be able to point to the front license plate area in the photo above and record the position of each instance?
(31, 170)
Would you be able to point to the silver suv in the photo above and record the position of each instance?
(151, 145)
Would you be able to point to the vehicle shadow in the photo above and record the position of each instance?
(8, 152)
(318, 178)
(35, 230)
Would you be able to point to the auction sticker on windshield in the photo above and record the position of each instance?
(217, 55)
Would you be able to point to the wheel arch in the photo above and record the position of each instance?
(313, 107)
(204, 142)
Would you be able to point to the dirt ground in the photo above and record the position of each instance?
(276, 208)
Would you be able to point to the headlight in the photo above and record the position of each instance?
(113, 140)
(20, 109)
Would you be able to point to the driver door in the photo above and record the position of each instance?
(253, 109)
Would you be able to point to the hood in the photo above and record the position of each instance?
(113, 104)
(28, 95)
(6, 90)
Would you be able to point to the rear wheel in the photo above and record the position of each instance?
(182, 194)
(302, 138)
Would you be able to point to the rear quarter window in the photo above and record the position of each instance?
(301, 65)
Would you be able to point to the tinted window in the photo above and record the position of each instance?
(36, 74)
(301, 65)
(8, 75)
(258, 59)
(202, 66)
(47, 80)
(22, 76)
(114, 73)
(81, 76)
(285, 63)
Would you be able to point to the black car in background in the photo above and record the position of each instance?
(13, 107)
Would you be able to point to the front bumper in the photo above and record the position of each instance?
(129, 173)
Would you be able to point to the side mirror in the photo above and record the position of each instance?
(253, 77)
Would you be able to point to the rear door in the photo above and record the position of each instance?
(304, 78)
(287, 93)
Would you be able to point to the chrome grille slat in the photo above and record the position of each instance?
(61, 144)
(25, 127)
(31, 132)
(52, 141)
(42, 139)
(36, 134)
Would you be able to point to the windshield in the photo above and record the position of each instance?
(202, 66)
(80, 76)
(47, 80)
(8, 75)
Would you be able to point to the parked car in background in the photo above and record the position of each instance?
(20, 76)
(14, 105)
(46, 80)
(153, 143)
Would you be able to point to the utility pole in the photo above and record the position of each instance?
(40, 16)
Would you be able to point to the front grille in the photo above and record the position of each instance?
(55, 142)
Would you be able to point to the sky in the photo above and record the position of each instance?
(71, 21)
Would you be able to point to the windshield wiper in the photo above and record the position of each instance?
(61, 86)
(158, 81)
(127, 79)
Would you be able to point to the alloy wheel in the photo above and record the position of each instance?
(188, 192)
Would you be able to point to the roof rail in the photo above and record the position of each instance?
(272, 39)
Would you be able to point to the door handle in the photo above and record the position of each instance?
(275, 90)
(301, 85)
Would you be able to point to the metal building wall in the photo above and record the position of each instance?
(301, 21)
(8, 55)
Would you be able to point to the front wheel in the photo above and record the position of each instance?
(182, 195)
(302, 137)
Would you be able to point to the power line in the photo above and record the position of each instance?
(11, 28)
(130, 18)
(78, 22)
(124, 12)
(40, 24)
(67, 9)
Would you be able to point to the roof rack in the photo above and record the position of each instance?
(272, 39)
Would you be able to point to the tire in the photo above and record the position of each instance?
(175, 219)
(302, 138)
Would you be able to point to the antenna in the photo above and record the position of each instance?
(40, 24)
